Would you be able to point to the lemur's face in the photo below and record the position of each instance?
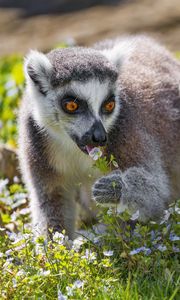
(74, 91)
(87, 111)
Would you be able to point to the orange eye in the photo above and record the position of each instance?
(71, 106)
(109, 106)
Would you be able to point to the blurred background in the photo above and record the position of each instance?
(43, 24)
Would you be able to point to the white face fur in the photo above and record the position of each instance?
(47, 108)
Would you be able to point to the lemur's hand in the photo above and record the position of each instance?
(107, 189)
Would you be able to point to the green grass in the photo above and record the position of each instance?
(11, 86)
(118, 263)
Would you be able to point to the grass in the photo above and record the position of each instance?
(116, 262)
(11, 87)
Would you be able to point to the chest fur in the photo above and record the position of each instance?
(68, 160)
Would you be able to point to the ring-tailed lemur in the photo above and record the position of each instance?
(122, 93)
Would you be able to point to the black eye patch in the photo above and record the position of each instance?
(73, 105)
(108, 105)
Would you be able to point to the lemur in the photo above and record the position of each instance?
(122, 95)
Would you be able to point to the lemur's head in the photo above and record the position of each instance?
(73, 90)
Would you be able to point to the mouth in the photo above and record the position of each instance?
(86, 149)
(94, 152)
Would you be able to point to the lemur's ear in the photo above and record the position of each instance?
(119, 53)
(113, 56)
(38, 70)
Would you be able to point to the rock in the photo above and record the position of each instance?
(8, 163)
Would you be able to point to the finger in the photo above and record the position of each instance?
(99, 192)
(99, 185)
(106, 199)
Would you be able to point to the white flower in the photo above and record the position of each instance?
(20, 273)
(10, 84)
(100, 228)
(147, 251)
(58, 237)
(8, 252)
(78, 284)
(39, 249)
(176, 249)
(95, 153)
(121, 207)
(22, 246)
(78, 242)
(177, 209)
(69, 291)
(12, 92)
(110, 212)
(167, 214)
(174, 237)
(14, 216)
(2, 229)
(96, 239)
(16, 238)
(19, 198)
(135, 216)
(14, 281)
(89, 255)
(16, 179)
(24, 211)
(44, 273)
(108, 253)
(3, 183)
(60, 295)
(1, 254)
(161, 247)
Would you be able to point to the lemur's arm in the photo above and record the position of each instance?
(52, 208)
(52, 205)
(136, 188)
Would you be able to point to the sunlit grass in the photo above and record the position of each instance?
(11, 86)
(109, 261)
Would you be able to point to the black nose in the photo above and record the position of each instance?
(99, 136)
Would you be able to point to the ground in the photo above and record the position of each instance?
(87, 22)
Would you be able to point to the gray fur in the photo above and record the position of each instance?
(143, 130)
(146, 137)
(108, 189)
(80, 64)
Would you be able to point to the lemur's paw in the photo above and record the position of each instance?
(107, 189)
